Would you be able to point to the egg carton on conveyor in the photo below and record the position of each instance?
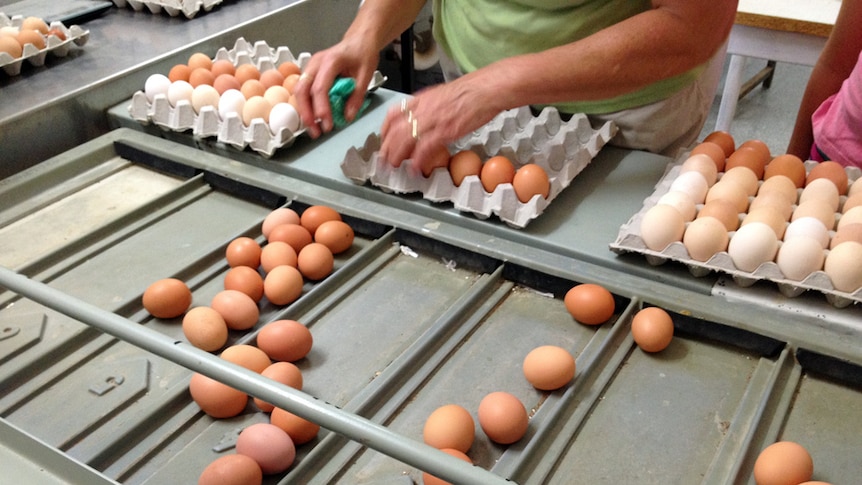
(54, 45)
(562, 148)
(629, 240)
(189, 8)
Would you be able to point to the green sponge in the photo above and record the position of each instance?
(338, 94)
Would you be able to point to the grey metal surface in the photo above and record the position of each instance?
(395, 335)
(48, 110)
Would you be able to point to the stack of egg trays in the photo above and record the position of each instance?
(629, 240)
(189, 8)
(208, 123)
(53, 45)
(562, 148)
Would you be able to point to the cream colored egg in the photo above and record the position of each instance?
(848, 232)
(769, 216)
(660, 226)
(744, 177)
(180, 91)
(204, 95)
(855, 187)
(681, 201)
(817, 208)
(774, 200)
(810, 227)
(843, 268)
(798, 257)
(256, 107)
(853, 216)
(822, 189)
(752, 245)
(723, 210)
(693, 184)
(702, 164)
(731, 192)
(705, 237)
(780, 184)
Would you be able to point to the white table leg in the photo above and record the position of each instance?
(730, 95)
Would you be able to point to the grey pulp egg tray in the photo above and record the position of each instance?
(188, 8)
(629, 240)
(562, 148)
(96, 390)
(32, 55)
(231, 131)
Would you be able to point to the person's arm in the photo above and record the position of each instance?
(376, 24)
(671, 38)
(833, 67)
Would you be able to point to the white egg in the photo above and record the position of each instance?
(155, 85)
(692, 183)
(798, 257)
(810, 227)
(842, 266)
(204, 95)
(682, 202)
(752, 245)
(283, 115)
(180, 91)
(231, 101)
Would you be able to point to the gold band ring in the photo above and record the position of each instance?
(305, 76)
(411, 120)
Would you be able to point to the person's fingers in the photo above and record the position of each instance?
(302, 92)
(357, 97)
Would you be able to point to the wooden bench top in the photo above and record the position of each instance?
(813, 17)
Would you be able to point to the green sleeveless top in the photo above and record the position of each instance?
(475, 33)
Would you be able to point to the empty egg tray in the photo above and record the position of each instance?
(629, 240)
(34, 56)
(189, 8)
(562, 148)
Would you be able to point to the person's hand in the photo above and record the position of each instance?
(419, 127)
(347, 59)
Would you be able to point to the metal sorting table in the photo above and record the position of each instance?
(95, 388)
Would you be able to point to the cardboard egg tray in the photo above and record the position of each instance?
(231, 131)
(189, 8)
(562, 148)
(629, 240)
(53, 45)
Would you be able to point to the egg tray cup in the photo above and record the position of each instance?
(630, 240)
(189, 8)
(34, 56)
(562, 148)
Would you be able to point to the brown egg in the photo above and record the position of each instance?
(464, 164)
(428, 479)
(248, 356)
(167, 298)
(205, 328)
(316, 215)
(276, 95)
(768, 215)
(788, 165)
(439, 158)
(285, 340)
(281, 215)
(256, 108)
(531, 180)
(223, 66)
(847, 232)
(300, 430)
(233, 469)
(288, 68)
(285, 373)
(11, 46)
(201, 76)
(272, 77)
(450, 426)
(245, 279)
(57, 32)
(336, 235)
(239, 310)
(269, 445)
(590, 304)
(35, 23)
(783, 462)
(760, 146)
(294, 234)
(503, 417)
(749, 157)
(852, 201)
(290, 82)
(244, 72)
(652, 329)
(724, 140)
(277, 253)
(315, 261)
(723, 210)
(33, 37)
(243, 251)
(549, 367)
(223, 82)
(833, 171)
(283, 285)
(216, 399)
(252, 88)
(199, 59)
(713, 151)
(179, 72)
(495, 171)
